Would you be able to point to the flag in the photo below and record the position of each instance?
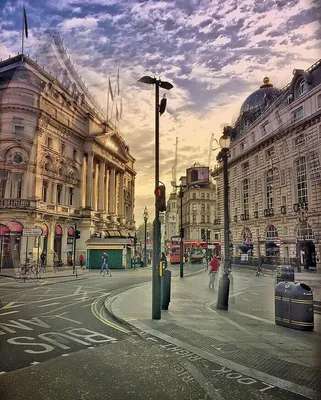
(121, 109)
(111, 90)
(25, 25)
(118, 82)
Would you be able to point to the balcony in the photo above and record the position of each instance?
(245, 216)
(256, 214)
(21, 204)
(283, 209)
(268, 212)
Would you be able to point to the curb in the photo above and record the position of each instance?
(21, 284)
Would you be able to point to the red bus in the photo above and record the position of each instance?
(174, 249)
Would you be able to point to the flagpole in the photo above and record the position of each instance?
(112, 106)
(107, 103)
(23, 31)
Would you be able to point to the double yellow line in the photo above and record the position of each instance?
(98, 315)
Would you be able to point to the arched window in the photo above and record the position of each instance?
(271, 233)
(305, 231)
(301, 178)
(246, 197)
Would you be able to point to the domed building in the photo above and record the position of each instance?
(255, 104)
(275, 174)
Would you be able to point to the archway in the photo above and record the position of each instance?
(4, 243)
(45, 234)
(16, 229)
(306, 245)
(272, 246)
(247, 244)
(58, 242)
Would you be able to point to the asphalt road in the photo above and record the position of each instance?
(58, 342)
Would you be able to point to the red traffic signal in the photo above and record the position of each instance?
(160, 198)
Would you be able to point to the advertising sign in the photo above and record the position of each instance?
(197, 176)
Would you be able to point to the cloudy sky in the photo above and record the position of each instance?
(214, 52)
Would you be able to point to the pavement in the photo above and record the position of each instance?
(244, 341)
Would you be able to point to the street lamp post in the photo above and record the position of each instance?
(145, 235)
(181, 243)
(159, 110)
(224, 285)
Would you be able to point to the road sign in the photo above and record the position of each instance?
(211, 246)
(32, 232)
(278, 241)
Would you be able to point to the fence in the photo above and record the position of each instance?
(264, 261)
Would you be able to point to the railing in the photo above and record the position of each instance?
(16, 203)
(264, 260)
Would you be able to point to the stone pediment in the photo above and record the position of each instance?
(114, 144)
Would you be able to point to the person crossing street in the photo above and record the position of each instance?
(213, 270)
(104, 265)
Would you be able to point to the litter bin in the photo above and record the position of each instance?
(285, 273)
(294, 306)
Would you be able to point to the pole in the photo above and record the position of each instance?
(181, 244)
(135, 238)
(145, 248)
(156, 298)
(27, 240)
(23, 31)
(224, 286)
(74, 252)
(1, 252)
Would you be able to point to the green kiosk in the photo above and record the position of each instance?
(117, 244)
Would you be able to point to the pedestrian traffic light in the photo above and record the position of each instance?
(77, 234)
(160, 198)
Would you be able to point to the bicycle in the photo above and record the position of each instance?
(23, 273)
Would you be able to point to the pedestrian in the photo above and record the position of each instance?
(68, 259)
(213, 270)
(104, 265)
(81, 260)
(43, 259)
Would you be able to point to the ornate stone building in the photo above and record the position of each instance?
(62, 165)
(274, 172)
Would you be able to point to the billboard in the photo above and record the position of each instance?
(197, 176)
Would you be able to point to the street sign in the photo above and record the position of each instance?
(32, 232)
(211, 246)
(278, 241)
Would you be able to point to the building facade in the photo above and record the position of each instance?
(274, 172)
(171, 219)
(62, 165)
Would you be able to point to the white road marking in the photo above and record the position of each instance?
(77, 291)
(243, 298)
(35, 363)
(43, 283)
(2, 372)
(8, 312)
(65, 355)
(47, 305)
(84, 297)
(62, 317)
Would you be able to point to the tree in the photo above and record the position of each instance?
(141, 232)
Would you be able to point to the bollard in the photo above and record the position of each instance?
(166, 289)
(223, 293)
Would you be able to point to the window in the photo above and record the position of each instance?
(17, 158)
(256, 161)
(283, 177)
(203, 218)
(265, 128)
(256, 206)
(271, 232)
(16, 180)
(194, 195)
(62, 148)
(194, 219)
(253, 137)
(18, 130)
(269, 154)
(207, 196)
(59, 194)
(208, 207)
(283, 200)
(202, 195)
(3, 183)
(44, 190)
(269, 189)
(300, 140)
(298, 114)
(49, 142)
(301, 177)
(71, 195)
(203, 207)
(303, 87)
(242, 146)
(245, 166)
(216, 236)
(278, 118)
(235, 193)
(319, 101)
(233, 152)
(207, 218)
(246, 196)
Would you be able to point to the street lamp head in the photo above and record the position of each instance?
(166, 85)
(147, 79)
(225, 141)
(145, 215)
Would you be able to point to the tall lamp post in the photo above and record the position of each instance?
(159, 110)
(224, 285)
(145, 215)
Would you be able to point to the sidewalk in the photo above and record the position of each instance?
(238, 340)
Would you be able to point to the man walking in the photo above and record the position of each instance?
(104, 265)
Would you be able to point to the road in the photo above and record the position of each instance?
(58, 342)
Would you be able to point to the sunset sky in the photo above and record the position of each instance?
(215, 53)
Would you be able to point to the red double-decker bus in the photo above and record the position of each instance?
(174, 249)
(188, 245)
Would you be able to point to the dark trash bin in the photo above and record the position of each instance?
(294, 306)
(285, 273)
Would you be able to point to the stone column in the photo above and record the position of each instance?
(54, 192)
(81, 201)
(112, 184)
(102, 189)
(95, 189)
(89, 185)
(121, 194)
(106, 191)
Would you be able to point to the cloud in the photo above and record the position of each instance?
(215, 53)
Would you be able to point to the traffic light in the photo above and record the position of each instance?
(77, 234)
(203, 235)
(161, 198)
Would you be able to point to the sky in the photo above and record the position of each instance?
(215, 53)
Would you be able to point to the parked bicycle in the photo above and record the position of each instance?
(23, 273)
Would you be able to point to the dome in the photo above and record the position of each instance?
(261, 97)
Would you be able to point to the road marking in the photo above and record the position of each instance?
(11, 305)
(62, 307)
(8, 312)
(2, 372)
(43, 283)
(130, 319)
(47, 305)
(84, 297)
(77, 291)
(65, 355)
(102, 319)
(243, 298)
(62, 317)
(35, 363)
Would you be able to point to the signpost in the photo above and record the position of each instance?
(32, 232)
